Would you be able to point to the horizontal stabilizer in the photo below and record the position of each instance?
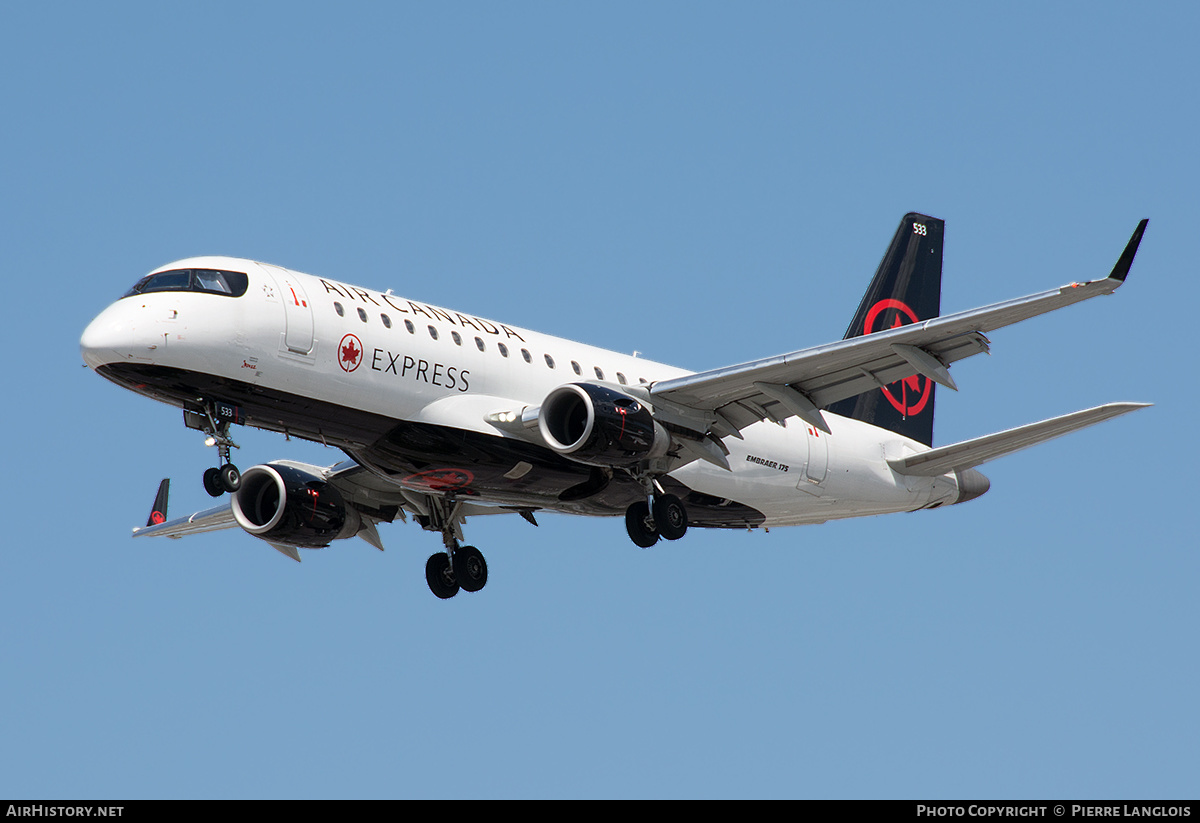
(971, 453)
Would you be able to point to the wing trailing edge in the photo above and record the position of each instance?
(970, 453)
(824, 375)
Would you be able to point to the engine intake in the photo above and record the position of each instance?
(600, 426)
(283, 504)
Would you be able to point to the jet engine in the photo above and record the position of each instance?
(600, 426)
(282, 504)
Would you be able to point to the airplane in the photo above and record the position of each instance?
(445, 416)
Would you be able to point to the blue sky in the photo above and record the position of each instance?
(703, 183)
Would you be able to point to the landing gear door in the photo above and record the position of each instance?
(298, 332)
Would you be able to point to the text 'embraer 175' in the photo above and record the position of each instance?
(446, 416)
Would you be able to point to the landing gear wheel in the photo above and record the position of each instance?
(639, 525)
(440, 576)
(470, 569)
(229, 477)
(670, 516)
(212, 482)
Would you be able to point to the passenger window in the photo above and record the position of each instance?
(528, 357)
(503, 349)
(408, 324)
(457, 338)
(575, 366)
(621, 378)
(362, 315)
(479, 344)
(432, 332)
(599, 374)
(337, 307)
(387, 321)
(549, 360)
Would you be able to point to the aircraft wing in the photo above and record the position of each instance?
(375, 498)
(209, 520)
(801, 383)
(347, 476)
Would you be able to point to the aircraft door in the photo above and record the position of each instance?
(298, 333)
(818, 462)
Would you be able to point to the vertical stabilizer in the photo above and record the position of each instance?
(907, 287)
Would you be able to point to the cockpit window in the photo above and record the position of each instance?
(169, 281)
(208, 281)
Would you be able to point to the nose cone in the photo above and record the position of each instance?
(107, 338)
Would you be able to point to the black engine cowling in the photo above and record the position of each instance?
(600, 426)
(284, 504)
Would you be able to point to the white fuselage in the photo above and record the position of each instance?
(404, 360)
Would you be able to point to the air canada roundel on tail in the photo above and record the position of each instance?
(906, 288)
(911, 395)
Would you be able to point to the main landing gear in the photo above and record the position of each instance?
(464, 568)
(458, 567)
(659, 515)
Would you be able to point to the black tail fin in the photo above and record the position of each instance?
(158, 514)
(907, 288)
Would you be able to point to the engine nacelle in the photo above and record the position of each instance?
(600, 426)
(283, 504)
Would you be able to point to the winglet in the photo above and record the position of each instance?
(1121, 270)
(158, 514)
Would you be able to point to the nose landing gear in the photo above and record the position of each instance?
(214, 420)
(226, 478)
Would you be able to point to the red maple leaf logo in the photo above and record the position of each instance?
(349, 352)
